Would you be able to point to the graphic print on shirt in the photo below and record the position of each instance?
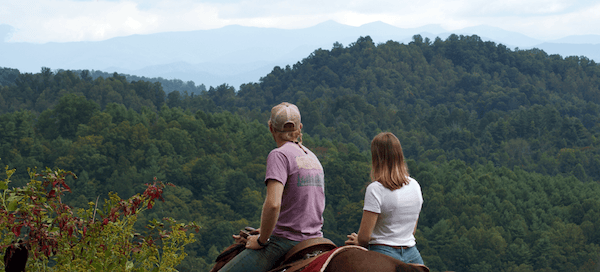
(310, 178)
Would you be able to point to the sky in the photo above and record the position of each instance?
(42, 21)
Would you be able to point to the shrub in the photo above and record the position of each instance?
(94, 239)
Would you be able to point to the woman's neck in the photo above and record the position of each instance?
(280, 143)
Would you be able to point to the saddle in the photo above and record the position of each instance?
(304, 253)
(296, 259)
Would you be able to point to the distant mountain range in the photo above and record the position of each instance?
(235, 54)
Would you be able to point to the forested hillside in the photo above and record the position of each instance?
(504, 144)
(168, 85)
(41, 81)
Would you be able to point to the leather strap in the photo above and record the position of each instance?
(307, 246)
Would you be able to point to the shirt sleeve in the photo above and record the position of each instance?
(373, 198)
(277, 167)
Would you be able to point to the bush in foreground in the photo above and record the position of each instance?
(94, 239)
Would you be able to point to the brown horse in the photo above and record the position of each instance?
(322, 255)
(360, 260)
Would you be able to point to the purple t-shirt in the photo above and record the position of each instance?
(303, 200)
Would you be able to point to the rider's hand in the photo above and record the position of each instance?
(242, 238)
(252, 242)
(239, 239)
(352, 239)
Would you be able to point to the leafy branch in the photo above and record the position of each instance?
(60, 239)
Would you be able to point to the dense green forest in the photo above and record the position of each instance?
(503, 142)
(168, 85)
(8, 76)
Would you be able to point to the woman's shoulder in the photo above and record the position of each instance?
(413, 184)
(411, 180)
(375, 186)
(283, 150)
(276, 152)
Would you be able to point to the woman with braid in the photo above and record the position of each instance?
(293, 208)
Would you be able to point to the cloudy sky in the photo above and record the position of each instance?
(41, 21)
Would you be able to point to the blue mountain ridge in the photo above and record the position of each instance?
(235, 54)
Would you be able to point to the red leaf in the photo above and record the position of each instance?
(67, 186)
(16, 230)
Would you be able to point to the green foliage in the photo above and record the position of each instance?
(8, 76)
(94, 239)
(40, 92)
(169, 85)
(503, 217)
(503, 142)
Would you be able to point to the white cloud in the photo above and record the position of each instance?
(581, 22)
(70, 20)
(515, 7)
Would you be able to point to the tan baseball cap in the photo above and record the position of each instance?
(285, 113)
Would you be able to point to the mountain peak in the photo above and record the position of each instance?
(5, 32)
(254, 49)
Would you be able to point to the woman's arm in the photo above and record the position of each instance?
(367, 224)
(270, 213)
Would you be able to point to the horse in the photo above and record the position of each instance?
(322, 255)
(364, 260)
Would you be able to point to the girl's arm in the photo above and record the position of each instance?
(367, 224)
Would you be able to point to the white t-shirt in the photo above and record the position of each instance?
(398, 212)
